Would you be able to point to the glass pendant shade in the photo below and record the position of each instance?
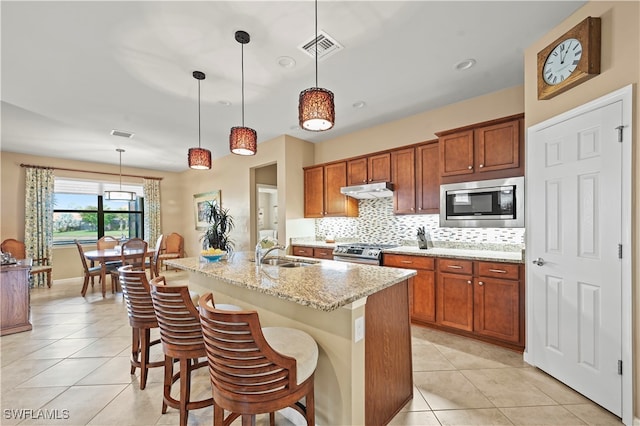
(243, 141)
(316, 111)
(199, 158)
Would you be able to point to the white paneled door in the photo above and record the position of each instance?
(574, 185)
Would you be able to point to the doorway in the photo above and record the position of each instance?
(265, 213)
(579, 300)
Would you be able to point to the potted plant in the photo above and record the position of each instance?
(220, 225)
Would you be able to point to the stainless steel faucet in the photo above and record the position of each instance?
(276, 247)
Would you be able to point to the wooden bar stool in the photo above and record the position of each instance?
(181, 336)
(142, 318)
(256, 370)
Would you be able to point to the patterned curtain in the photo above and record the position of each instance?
(152, 229)
(38, 221)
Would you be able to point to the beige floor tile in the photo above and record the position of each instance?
(507, 387)
(65, 373)
(24, 403)
(427, 357)
(541, 415)
(558, 391)
(115, 371)
(417, 403)
(78, 404)
(472, 357)
(61, 349)
(56, 331)
(415, 418)
(104, 347)
(448, 390)
(19, 350)
(22, 370)
(132, 406)
(593, 414)
(482, 416)
(95, 330)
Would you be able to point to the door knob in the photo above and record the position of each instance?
(539, 261)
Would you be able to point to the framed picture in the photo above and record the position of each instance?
(199, 207)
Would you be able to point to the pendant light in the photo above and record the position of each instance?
(120, 195)
(243, 140)
(316, 111)
(199, 158)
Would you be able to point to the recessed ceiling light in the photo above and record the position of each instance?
(286, 62)
(359, 104)
(465, 65)
(224, 103)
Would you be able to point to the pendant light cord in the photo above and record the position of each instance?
(198, 113)
(120, 171)
(316, 43)
(242, 68)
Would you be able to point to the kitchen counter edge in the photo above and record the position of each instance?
(486, 255)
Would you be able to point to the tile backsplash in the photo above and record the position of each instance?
(377, 223)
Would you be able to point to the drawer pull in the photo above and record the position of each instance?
(499, 271)
(406, 261)
(480, 283)
(468, 282)
(454, 266)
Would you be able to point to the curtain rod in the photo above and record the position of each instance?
(89, 171)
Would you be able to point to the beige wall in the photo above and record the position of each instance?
(65, 259)
(620, 66)
(422, 127)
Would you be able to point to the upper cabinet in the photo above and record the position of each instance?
(322, 197)
(375, 168)
(416, 181)
(489, 150)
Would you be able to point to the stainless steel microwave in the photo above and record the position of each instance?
(496, 203)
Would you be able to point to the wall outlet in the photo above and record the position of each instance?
(359, 329)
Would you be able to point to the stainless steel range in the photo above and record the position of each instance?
(369, 254)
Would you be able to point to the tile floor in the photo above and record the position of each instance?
(74, 366)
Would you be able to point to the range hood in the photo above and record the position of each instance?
(370, 190)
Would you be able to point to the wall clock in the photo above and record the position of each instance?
(570, 60)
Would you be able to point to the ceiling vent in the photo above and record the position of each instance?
(327, 46)
(122, 133)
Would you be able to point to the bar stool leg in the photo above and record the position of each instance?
(168, 375)
(145, 338)
(185, 389)
(135, 347)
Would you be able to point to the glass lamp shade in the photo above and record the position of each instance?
(199, 158)
(316, 111)
(120, 195)
(243, 141)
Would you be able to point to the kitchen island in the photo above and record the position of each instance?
(358, 315)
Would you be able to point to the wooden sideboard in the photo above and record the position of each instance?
(14, 299)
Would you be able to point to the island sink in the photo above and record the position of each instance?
(286, 262)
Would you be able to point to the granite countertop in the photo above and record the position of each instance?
(314, 243)
(325, 285)
(461, 253)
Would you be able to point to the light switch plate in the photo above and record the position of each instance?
(359, 329)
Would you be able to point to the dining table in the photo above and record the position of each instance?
(109, 255)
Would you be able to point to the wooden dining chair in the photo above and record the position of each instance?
(89, 271)
(255, 370)
(173, 248)
(142, 318)
(107, 242)
(19, 251)
(137, 261)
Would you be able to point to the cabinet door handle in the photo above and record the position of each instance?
(454, 267)
(481, 165)
(468, 282)
(499, 271)
(480, 283)
(470, 167)
(406, 261)
(419, 208)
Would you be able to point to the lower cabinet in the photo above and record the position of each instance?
(317, 252)
(478, 299)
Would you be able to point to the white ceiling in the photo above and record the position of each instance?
(73, 71)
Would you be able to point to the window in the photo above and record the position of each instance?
(81, 212)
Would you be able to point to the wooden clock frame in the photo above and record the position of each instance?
(589, 34)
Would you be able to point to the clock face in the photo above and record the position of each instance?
(562, 61)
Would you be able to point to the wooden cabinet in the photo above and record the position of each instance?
(374, 168)
(14, 299)
(322, 197)
(416, 179)
(497, 309)
(428, 178)
(422, 287)
(479, 299)
(317, 252)
(489, 150)
(403, 176)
